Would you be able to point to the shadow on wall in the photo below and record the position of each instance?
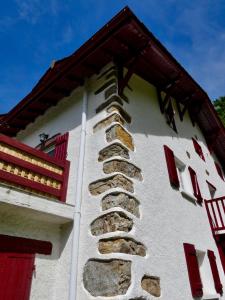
(24, 225)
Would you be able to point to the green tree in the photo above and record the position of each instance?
(219, 105)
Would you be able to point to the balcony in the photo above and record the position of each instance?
(32, 171)
(216, 213)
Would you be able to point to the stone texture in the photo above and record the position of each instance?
(118, 132)
(105, 85)
(115, 149)
(114, 221)
(121, 245)
(122, 200)
(124, 167)
(117, 108)
(117, 181)
(107, 121)
(112, 99)
(139, 298)
(110, 91)
(107, 278)
(151, 284)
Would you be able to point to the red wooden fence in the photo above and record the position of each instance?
(32, 170)
(216, 213)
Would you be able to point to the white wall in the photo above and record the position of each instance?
(64, 117)
(52, 272)
(45, 281)
(167, 218)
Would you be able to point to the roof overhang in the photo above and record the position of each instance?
(124, 39)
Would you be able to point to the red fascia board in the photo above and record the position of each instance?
(124, 18)
(81, 53)
(24, 245)
(65, 182)
(37, 153)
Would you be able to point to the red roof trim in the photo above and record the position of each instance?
(128, 33)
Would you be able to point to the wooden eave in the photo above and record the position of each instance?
(123, 39)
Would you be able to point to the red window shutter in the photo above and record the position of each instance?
(219, 171)
(171, 166)
(198, 149)
(193, 270)
(195, 185)
(215, 273)
(61, 146)
(16, 275)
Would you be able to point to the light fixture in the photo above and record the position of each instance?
(43, 138)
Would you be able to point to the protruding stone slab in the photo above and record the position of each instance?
(117, 181)
(112, 99)
(122, 200)
(117, 108)
(151, 284)
(107, 121)
(105, 85)
(114, 221)
(118, 132)
(110, 91)
(115, 149)
(139, 298)
(124, 167)
(121, 245)
(107, 278)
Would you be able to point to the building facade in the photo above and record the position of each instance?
(112, 183)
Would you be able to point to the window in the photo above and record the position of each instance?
(182, 177)
(195, 185)
(169, 114)
(49, 145)
(210, 284)
(50, 150)
(56, 146)
(198, 149)
(203, 273)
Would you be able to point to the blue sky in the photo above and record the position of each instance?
(35, 32)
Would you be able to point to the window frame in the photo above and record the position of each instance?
(48, 144)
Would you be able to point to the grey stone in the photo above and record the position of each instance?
(118, 132)
(114, 221)
(124, 167)
(121, 245)
(139, 298)
(151, 284)
(115, 149)
(107, 121)
(122, 200)
(110, 91)
(112, 99)
(117, 108)
(107, 278)
(117, 181)
(105, 85)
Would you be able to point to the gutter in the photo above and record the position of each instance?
(78, 202)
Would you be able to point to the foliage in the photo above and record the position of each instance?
(219, 105)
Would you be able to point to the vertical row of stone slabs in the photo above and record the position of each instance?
(112, 277)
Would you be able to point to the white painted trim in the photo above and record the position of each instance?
(78, 200)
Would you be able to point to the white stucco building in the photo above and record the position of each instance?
(111, 178)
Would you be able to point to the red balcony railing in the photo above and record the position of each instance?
(216, 213)
(32, 170)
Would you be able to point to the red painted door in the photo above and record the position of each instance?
(16, 271)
